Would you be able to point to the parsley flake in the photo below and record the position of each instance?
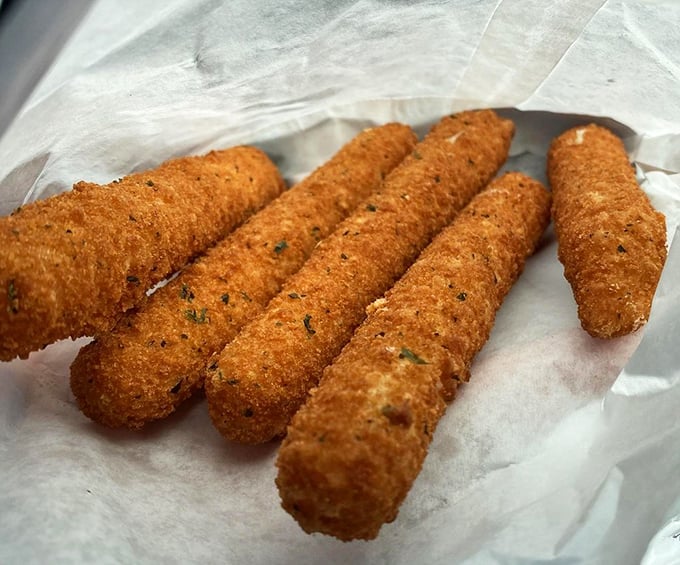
(412, 357)
(185, 293)
(196, 317)
(308, 325)
(12, 298)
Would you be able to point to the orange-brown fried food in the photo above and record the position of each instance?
(354, 449)
(71, 264)
(262, 377)
(611, 241)
(155, 357)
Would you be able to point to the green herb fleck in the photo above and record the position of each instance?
(149, 183)
(232, 382)
(412, 357)
(197, 318)
(308, 325)
(343, 256)
(462, 296)
(621, 248)
(175, 389)
(185, 293)
(245, 296)
(316, 233)
(293, 295)
(132, 218)
(280, 246)
(132, 279)
(417, 155)
(371, 207)
(12, 298)
(225, 298)
(470, 162)
(183, 336)
(437, 179)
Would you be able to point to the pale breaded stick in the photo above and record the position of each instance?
(71, 264)
(259, 381)
(611, 241)
(155, 357)
(354, 449)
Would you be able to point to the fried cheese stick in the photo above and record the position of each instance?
(71, 264)
(262, 377)
(155, 357)
(611, 241)
(354, 449)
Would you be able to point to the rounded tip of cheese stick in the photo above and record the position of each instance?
(354, 449)
(611, 241)
(70, 265)
(259, 380)
(154, 358)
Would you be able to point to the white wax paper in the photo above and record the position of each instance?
(551, 454)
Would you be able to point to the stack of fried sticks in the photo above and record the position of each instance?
(341, 314)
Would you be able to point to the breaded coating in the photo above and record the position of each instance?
(355, 448)
(70, 265)
(155, 357)
(262, 377)
(611, 241)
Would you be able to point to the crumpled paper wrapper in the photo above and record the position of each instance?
(561, 449)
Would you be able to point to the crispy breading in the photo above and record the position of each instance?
(611, 241)
(354, 449)
(155, 357)
(70, 265)
(262, 377)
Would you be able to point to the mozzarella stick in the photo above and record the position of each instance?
(154, 358)
(611, 241)
(355, 448)
(70, 265)
(262, 377)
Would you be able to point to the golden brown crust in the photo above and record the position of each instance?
(611, 241)
(262, 377)
(354, 449)
(70, 265)
(156, 356)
